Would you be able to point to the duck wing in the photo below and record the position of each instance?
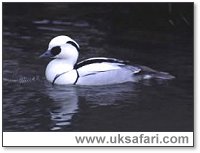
(102, 64)
(99, 60)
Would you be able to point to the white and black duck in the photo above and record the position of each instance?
(64, 69)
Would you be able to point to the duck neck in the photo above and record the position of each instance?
(63, 65)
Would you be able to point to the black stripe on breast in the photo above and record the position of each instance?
(74, 44)
(57, 76)
(109, 60)
(77, 77)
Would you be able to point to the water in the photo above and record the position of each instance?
(30, 103)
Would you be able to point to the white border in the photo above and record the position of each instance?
(111, 139)
(141, 150)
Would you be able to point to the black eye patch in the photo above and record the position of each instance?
(55, 50)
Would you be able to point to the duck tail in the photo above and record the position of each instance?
(151, 73)
(162, 75)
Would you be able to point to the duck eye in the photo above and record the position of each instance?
(55, 50)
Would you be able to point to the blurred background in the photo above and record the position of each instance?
(158, 35)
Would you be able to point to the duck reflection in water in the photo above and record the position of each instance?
(66, 100)
(64, 106)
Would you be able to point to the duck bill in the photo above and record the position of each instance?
(46, 54)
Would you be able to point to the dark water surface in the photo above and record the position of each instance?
(148, 34)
